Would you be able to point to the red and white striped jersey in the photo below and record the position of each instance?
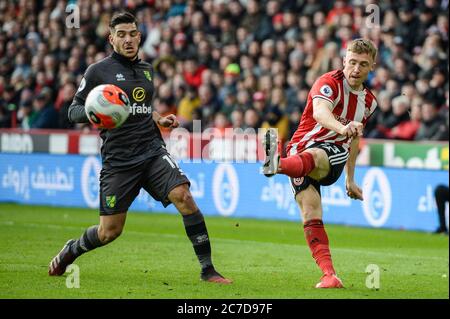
(347, 105)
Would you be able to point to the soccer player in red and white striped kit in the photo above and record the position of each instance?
(326, 141)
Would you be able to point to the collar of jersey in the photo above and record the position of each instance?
(124, 60)
(347, 85)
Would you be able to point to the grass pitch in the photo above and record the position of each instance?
(266, 259)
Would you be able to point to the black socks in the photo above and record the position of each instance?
(88, 241)
(198, 234)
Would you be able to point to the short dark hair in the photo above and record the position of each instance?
(122, 17)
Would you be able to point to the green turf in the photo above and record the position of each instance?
(267, 259)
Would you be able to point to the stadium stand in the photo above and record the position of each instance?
(231, 63)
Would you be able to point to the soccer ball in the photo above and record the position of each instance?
(107, 106)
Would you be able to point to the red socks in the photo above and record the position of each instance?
(298, 165)
(317, 239)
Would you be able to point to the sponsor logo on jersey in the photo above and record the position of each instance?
(342, 120)
(138, 94)
(140, 109)
(120, 77)
(326, 90)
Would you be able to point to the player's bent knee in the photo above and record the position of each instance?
(310, 211)
(308, 215)
(180, 194)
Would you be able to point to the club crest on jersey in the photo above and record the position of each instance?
(148, 75)
(120, 77)
(326, 90)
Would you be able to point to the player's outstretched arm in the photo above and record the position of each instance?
(322, 114)
(353, 190)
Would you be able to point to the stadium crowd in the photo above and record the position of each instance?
(231, 63)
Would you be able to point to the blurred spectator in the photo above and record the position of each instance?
(436, 90)
(259, 103)
(231, 76)
(227, 32)
(165, 103)
(8, 103)
(221, 123)
(194, 45)
(46, 115)
(400, 107)
(229, 104)
(383, 117)
(209, 104)
(180, 47)
(68, 91)
(433, 126)
(293, 86)
(192, 72)
(406, 129)
(26, 115)
(339, 9)
(275, 118)
(408, 21)
(237, 119)
(188, 104)
(243, 99)
(252, 120)
(268, 26)
(252, 20)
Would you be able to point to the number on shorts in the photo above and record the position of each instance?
(173, 163)
(331, 148)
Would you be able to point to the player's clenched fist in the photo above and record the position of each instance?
(353, 129)
(169, 121)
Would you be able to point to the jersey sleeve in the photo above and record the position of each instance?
(325, 88)
(76, 112)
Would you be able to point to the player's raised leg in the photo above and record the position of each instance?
(297, 165)
(110, 228)
(316, 237)
(197, 232)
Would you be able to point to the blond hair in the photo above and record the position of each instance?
(363, 46)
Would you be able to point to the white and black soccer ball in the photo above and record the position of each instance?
(107, 106)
